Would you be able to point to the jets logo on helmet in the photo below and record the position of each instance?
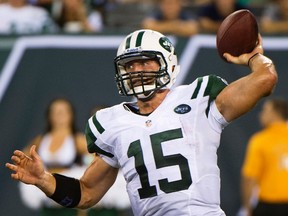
(165, 43)
(145, 44)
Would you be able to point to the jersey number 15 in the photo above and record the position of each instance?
(161, 161)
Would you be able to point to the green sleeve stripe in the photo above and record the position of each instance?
(101, 151)
(196, 92)
(91, 146)
(90, 138)
(98, 125)
(214, 87)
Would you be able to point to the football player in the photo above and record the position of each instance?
(166, 141)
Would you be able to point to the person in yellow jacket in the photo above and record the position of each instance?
(265, 168)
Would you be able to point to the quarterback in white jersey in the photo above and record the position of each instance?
(169, 156)
(165, 142)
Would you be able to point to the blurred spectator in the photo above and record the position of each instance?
(62, 149)
(122, 15)
(275, 18)
(265, 169)
(197, 2)
(212, 14)
(97, 14)
(172, 19)
(254, 3)
(47, 4)
(72, 16)
(18, 17)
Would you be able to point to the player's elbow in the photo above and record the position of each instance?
(269, 81)
(263, 70)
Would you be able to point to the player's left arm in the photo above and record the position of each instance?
(243, 94)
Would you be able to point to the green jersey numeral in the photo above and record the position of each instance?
(161, 161)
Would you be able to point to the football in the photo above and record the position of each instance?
(237, 34)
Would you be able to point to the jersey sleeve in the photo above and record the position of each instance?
(213, 86)
(209, 87)
(94, 132)
(217, 120)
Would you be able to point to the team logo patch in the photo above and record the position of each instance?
(165, 43)
(182, 109)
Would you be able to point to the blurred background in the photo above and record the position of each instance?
(65, 48)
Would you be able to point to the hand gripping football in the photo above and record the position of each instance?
(237, 34)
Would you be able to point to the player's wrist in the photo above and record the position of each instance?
(67, 191)
(46, 183)
(259, 60)
(252, 58)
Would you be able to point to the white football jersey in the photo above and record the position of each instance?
(168, 158)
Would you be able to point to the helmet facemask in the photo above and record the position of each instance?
(141, 84)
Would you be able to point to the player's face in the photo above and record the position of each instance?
(142, 71)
